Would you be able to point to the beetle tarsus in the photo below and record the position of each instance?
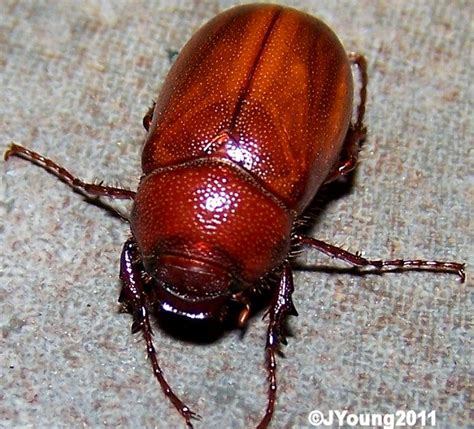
(383, 265)
(95, 190)
(134, 299)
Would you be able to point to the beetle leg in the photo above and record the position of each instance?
(357, 131)
(379, 264)
(244, 316)
(361, 63)
(281, 307)
(148, 117)
(96, 190)
(133, 298)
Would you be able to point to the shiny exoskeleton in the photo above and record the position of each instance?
(253, 118)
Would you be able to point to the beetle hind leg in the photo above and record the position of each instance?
(357, 130)
(281, 307)
(133, 298)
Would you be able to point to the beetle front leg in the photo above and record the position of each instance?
(357, 131)
(281, 307)
(379, 264)
(65, 176)
(134, 300)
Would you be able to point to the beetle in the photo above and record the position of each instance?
(255, 116)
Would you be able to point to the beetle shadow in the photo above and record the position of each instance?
(188, 330)
(107, 207)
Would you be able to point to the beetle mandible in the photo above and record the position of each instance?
(254, 117)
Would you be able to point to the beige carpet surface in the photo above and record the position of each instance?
(76, 79)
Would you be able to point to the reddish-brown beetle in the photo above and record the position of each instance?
(253, 118)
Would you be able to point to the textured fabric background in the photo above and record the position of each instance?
(76, 79)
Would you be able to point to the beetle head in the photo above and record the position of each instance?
(190, 287)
